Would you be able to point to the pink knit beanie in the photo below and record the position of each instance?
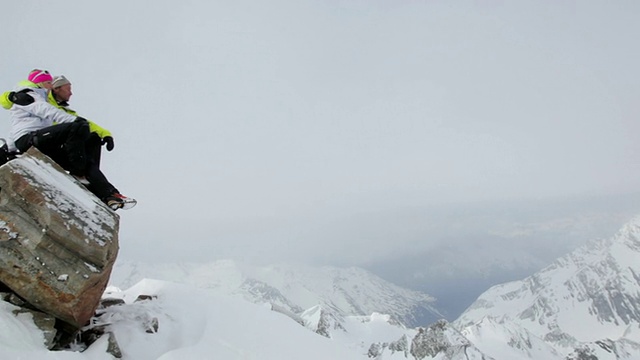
(37, 76)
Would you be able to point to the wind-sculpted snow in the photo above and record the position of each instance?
(191, 324)
(344, 292)
(588, 296)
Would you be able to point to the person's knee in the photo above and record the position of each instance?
(94, 139)
(80, 129)
(82, 126)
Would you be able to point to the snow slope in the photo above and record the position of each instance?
(193, 324)
(345, 292)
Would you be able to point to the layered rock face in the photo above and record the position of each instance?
(58, 242)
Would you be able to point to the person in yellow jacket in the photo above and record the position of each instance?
(59, 97)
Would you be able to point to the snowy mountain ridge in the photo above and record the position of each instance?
(342, 292)
(586, 305)
(587, 299)
(582, 307)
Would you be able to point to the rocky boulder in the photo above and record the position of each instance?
(58, 242)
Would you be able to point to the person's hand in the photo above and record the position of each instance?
(21, 98)
(108, 140)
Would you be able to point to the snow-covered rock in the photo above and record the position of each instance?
(58, 242)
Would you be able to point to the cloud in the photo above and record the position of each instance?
(313, 130)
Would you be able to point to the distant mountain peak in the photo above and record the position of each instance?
(589, 295)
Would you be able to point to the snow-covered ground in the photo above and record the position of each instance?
(197, 324)
(343, 291)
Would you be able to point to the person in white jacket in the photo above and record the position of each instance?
(33, 124)
(59, 135)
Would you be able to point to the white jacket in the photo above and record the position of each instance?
(35, 116)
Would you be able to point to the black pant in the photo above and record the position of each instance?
(63, 143)
(75, 149)
(98, 183)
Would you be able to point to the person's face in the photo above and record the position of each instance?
(45, 85)
(63, 93)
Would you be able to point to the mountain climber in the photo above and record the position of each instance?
(61, 135)
(59, 96)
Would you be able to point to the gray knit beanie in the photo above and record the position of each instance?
(59, 81)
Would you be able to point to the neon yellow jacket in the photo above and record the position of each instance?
(93, 127)
(4, 100)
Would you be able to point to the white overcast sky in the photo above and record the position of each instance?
(251, 128)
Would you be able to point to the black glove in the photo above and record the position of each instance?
(81, 119)
(21, 98)
(109, 141)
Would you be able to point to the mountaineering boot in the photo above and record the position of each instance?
(118, 201)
